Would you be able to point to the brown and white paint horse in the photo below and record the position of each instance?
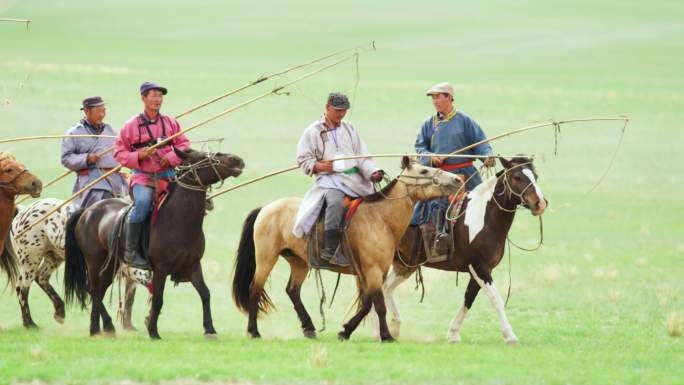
(373, 234)
(479, 241)
(14, 180)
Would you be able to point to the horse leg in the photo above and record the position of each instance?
(351, 325)
(46, 268)
(107, 324)
(158, 284)
(484, 279)
(393, 280)
(453, 334)
(197, 280)
(95, 299)
(265, 260)
(128, 305)
(298, 273)
(23, 286)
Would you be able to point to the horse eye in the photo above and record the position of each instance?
(8, 170)
(517, 177)
(423, 172)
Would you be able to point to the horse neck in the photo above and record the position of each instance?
(6, 215)
(189, 205)
(496, 217)
(396, 209)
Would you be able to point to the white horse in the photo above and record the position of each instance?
(41, 250)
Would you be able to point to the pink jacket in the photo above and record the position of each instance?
(134, 133)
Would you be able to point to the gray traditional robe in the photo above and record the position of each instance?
(74, 157)
(318, 143)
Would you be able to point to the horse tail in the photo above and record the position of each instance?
(245, 266)
(8, 258)
(75, 275)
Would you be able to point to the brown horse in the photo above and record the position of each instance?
(176, 242)
(373, 235)
(14, 180)
(480, 234)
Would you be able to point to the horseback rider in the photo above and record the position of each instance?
(322, 142)
(445, 132)
(84, 155)
(150, 166)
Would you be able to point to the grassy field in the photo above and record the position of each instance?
(596, 305)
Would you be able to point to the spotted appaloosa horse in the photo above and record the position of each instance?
(373, 235)
(41, 250)
(479, 238)
(15, 179)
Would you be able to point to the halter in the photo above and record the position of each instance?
(433, 181)
(208, 161)
(510, 191)
(10, 183)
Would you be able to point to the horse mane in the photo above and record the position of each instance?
(6, 156)
(382, 194)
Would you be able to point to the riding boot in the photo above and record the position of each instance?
(330, 251)
(132, 255)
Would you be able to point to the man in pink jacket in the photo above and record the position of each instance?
(149, 165)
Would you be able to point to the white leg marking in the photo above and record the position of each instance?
(453, 334)
(498, 304)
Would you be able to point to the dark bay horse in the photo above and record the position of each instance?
(373, 235)
(479, 240)
(14, 180)
(175, 248)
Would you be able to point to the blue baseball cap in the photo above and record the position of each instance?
(152, 86)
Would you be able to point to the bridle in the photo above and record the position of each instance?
(209, 161)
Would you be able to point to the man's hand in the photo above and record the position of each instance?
(93, 158)
(163, 162)
(323, 166)
(437, 161)
(145, 153)
(377, 176)
(490, 162)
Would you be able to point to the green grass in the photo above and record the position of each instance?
(589, 307)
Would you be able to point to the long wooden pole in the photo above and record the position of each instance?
(182, 132)
(455, 154)
(204, 104)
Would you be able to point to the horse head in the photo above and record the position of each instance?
(204, 169)
(425, 183)
(15, 179)
(520, 181)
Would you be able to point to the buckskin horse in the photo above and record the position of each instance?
(373, 234)
(176, 241)
(479, 234)
(15, 180)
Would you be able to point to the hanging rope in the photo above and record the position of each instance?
(182, 132)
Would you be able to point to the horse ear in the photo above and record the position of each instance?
(405, 163)
(505, 163)
(181, 154)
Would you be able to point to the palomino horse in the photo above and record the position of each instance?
(480, 234)
(40, 251)
(373, 235)
(14, 180)
(175, 248)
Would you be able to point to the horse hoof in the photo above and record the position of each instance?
(388, 339)
(512, 341)
(31, 326)
(59, 319)
(342, 337)
(310, 334)
(211, 336)
(130, 328)
(155, 337)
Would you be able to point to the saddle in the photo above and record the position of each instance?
(422, 239)
(315, 239)
(117, 239)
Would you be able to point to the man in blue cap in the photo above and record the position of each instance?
(84, 155)
(150, 166)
